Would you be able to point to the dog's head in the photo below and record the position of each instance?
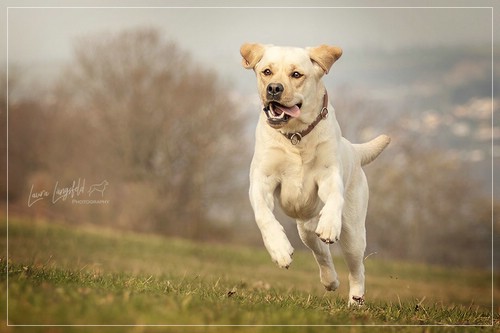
(289, 79)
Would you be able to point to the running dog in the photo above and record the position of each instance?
(302, 161)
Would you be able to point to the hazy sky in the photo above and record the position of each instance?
(213, 35)
(38, 34)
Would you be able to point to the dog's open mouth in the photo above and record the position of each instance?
(278, 115)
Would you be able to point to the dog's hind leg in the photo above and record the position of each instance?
(353, 248)
(321, 252)
(353, 241)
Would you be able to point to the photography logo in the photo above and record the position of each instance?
(76, 193)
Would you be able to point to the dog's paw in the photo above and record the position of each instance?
(329, 280)
(356, 301)
(283, 255)
(331, 285)
(281, 250)
(328, 232)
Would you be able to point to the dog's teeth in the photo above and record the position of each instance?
(277, 116)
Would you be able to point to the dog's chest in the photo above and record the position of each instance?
(298, 190)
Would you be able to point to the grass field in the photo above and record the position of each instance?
(67, 276)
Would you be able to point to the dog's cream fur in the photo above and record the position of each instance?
(319, 182)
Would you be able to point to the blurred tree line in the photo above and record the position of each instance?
(424, 202)
(135, 110)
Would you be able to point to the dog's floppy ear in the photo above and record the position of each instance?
(325, 56)
(251, 53)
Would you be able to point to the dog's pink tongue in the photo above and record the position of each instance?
(293, 111)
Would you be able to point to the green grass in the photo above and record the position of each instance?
(86, 276)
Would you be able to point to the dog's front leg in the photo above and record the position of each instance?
(331, 192)
(262, 199)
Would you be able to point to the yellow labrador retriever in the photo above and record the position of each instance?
(302, 160)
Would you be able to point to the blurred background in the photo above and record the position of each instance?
(143, 119)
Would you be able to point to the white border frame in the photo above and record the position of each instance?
(255, 7)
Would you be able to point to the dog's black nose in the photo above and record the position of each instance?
(274, 90)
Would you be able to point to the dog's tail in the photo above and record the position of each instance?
(370, 150)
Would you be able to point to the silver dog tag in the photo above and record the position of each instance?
(295, 138)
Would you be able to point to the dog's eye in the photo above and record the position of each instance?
(297, 75)
(267, 72)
